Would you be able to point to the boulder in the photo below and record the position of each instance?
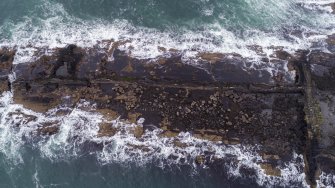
(106, 130)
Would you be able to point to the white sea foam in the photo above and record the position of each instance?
(36, 180)
(61, 28)
(80, 127)
(326, 180)
(291, 173)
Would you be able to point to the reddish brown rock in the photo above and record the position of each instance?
(180, 144)
(140, 147)
(211, 57)
(137, 131)
(200, 160)
(270, 170)
(209, 135)
(169, 134)
(106, 129)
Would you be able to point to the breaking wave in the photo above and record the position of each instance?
(78, 134)
(292, 24)
(52, 25)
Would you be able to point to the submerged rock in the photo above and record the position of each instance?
(49, 128)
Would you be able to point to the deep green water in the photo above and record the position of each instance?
(200, 25)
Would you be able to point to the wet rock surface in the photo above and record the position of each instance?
(322, 83)
(6, 61)
(106, 129)
(216, 101)
(220, 98)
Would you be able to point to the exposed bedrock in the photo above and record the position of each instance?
(6, 61)
(283, 104)
(322, 84)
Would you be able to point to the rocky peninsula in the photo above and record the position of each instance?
(217, 97)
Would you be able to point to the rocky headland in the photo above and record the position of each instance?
(285, 102)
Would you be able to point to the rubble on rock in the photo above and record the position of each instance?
(219, 99)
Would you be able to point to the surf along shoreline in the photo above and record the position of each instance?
(217, 100)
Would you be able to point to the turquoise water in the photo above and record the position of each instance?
(193, 14)
(190, 26)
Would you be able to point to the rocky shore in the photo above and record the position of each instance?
(219, 97)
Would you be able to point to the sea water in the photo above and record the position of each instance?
(76, 157)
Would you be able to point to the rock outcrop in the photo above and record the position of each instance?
(6, 61)
(223, 97)
(322, 79)
(218, 100)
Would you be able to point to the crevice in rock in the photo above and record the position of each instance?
(27, 86)
(313, 118)
(9, 84)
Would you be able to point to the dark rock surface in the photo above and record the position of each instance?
(6, 61)
(219, 98)
(323, 84)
